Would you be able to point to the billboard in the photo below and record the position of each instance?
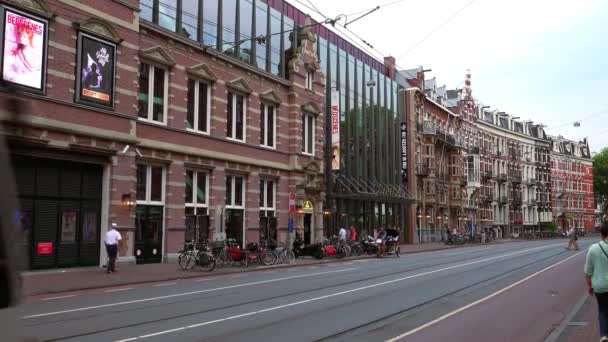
(96, 62)
(24, 49)
(335, 130)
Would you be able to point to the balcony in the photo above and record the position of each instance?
(516, 178)
(423, 170)
(488, 199)
(502, 177)
(532, 202)
(427, 128)
(517, 201)
(503, 200)
(463, 181)
(419, 127)
(474, 150)
(486, 175)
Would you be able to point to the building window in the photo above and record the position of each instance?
(236, 116)
(267, 195)
(267, 125)
(197, 196)
(235, 192)
(308, 133)
(153, 89)
(198, 106)
(309, 79)
(150, 184)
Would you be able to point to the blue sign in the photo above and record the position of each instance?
(290, 225)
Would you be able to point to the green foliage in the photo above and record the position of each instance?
(600, 174)
(549, 227)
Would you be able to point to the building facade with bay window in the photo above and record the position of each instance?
(173, 119)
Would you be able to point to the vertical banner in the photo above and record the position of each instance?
(335, 130)
(24, 49)
(404, 153)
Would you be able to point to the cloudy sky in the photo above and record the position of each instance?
(545, 60)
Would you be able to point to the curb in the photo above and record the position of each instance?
(228, 271)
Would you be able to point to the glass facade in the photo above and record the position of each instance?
(369, 121)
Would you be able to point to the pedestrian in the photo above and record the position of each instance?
(596, 276)
(572, 239)
(353, 233)
(342, 234)
(111, 240)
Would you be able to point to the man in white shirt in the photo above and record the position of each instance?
(342, 234)
(111, 240)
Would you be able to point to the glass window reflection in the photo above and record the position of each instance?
(245, 28)
(145, 8)
(190, 18)
(167, 14)
(275, 41)
(228, 25)
(261, 15)
(210, 14)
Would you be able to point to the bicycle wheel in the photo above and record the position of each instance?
(186, 260)
(267, 258)
(206, 261)
(347, 250)
(340, 252)
(289, 256)
(357, 250)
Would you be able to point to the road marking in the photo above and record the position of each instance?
(122, 289)
(183, 294)
(251, 313)
(165, 284)
(555, 335)
(312, 267)
(205, 279)
(486, 298)
(60, 297)
(237, 276)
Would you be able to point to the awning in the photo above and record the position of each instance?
(357, 188)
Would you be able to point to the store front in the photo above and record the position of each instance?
(59, 214)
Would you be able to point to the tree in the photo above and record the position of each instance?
(600, 176)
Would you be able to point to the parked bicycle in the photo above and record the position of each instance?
(192, 256)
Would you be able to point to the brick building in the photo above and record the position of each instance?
(572, 183)
(158, 131)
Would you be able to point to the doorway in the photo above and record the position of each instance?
(234, 224)
(148, 234)
(307, 229)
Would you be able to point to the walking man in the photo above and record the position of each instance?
(112, 238)
(342, 234)
(572, 239)
(596, 276)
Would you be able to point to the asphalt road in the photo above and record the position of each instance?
(418, 297)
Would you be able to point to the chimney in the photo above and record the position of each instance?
(390, 65)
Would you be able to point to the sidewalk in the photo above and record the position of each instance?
(63, 280)
(583, 326)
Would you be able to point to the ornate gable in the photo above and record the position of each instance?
(157, 55)
(100, 28)
(311, 107)
(202, 71)
(240, 85)
(271, 96)
(36, 6)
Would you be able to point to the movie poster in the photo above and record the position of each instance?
(23, 53)
(96, 66)
(68, 226)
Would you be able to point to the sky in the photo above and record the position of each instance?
(543, 60)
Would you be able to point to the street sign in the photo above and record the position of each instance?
(290, 225)
(292, 202)
(308, 207)
(44, 248)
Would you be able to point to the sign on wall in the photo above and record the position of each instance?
(335, 130)
(44, 248)
(24, 49)
(96, 62)
(404, 152)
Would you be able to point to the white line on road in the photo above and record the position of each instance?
(329, 295)
(60, 297)
(435, 321)
(184, 294)
(122, 289)
(164, 284)
(205, 279)
(237, 276)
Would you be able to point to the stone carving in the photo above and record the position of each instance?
(240, 85)
(36, 6)
(202, 71)
(157, 55)
(311, 107)
(99, 28)
(271, 96)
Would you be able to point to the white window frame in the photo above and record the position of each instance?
(194, 203)
(232, 132)
(265, 195)
(264, 114)
(305, 133)
(197, 83)
(149, 185)
(233, 188)
(152, 70)
(309, 79)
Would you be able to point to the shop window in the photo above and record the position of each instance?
(267, 125)
(198, 106)
(150, 184)
(236, 110)
(152, 95)
(308, 133)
